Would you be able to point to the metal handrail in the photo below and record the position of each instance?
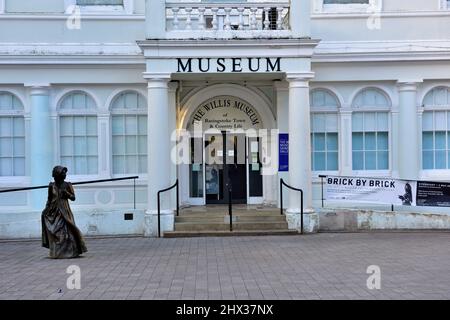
(230, 205)
(159, 204)
(80, 183)
(301, 201)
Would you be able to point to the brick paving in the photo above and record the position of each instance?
(321, 266)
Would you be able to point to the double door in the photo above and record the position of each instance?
(225, 167)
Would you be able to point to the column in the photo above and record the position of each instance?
(159, 161)
(42, 146)
(172, 103)
(299, 141)
(345, 141)
(395, 116)
(104, 141)
(408, 135)
(282, 96)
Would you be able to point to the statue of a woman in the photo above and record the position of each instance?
(59, 232)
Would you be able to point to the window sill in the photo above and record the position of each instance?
(12, 182)
(102, 9)
(370, 8)
(126, 8)
(372, 173)
(345, 8)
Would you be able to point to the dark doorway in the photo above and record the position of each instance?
(226, 161)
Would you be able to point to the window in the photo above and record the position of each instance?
(345, 1)
(436, 130)
(370, 141)
(101, 6)
(324, 131)
(78, 134)
(99, 2)
(370, 130)
(129, 133)
(344, 6)
(12, 136)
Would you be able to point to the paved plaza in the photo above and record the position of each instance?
(320, 266)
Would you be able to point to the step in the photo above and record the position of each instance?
(239, 218)
(250, 225)
(184, 213)
(235, 233)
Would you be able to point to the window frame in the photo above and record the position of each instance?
(126, 8)
(335, 110)
(373, 109)
(320, 7)
(74, 113)
(125, 112)
(20, 113)
(434, 173)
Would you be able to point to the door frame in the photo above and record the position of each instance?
(201, 201)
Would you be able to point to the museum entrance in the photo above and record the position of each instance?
(225, 166)
(225, 151)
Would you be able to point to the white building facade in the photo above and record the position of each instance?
(162, 89)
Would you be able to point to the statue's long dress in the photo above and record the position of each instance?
(59, 232)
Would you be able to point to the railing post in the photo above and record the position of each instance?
(178, 199)
(159, 216)
(301, 212)
(281, 196)
(134, 194)
(321, 182)
(230, 208)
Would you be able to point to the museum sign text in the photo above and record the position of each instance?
(235, 65)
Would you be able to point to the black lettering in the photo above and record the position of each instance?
(274, 67)
(221, 65)
(237, 64)
(250, 64)
(200, 65)
(187, 66)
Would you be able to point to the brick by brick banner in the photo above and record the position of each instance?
(371, 190)
(433, 194)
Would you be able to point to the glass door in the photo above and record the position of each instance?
(225, 163)
(214, 168)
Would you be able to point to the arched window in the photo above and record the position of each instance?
(12, 136)
(324, 130)
(78, 134)
(129, 133)
(370, 130)
(436, 129)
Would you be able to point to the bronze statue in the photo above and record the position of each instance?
(59, 232)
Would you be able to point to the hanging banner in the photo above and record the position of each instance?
(373, 190)
(433, 194)
(283, 152)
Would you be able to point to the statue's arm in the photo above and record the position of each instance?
(70, 192)
(49, 194)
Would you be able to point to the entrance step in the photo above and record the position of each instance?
(214, 221)
(235, 233)
(248, 225)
